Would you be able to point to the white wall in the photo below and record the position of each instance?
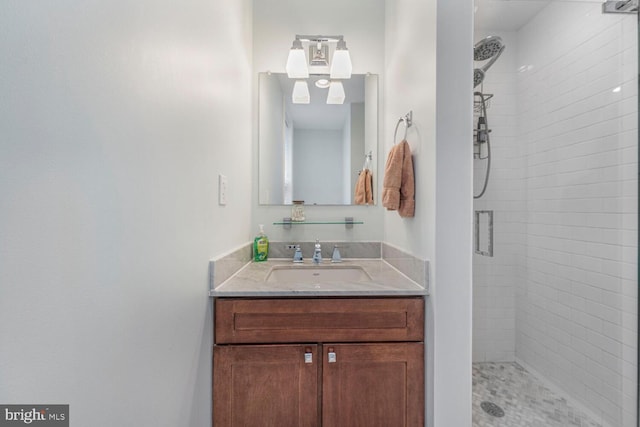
(362, 23)
(410, 85)
(116, 118)
(451, 296)
(429, 72)
(116, 121)
(577, 304)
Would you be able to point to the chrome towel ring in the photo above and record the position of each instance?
(407, 119)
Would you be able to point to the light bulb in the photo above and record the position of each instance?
(297, 62)
(336, 93)
(341, 62)
(300, 93)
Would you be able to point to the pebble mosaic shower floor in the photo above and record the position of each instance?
(524, 399)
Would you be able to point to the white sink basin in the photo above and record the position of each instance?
(317, 274)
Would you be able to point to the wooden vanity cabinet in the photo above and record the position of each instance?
(355, 362)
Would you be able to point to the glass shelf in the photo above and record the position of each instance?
(348, 222)
(316, 222)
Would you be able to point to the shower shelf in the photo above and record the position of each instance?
(477, 105)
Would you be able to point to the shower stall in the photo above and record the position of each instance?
(555, 282)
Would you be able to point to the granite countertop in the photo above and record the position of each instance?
(249, 281)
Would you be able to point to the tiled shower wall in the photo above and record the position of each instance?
(564, 192)
(494, 278)
(576, 306)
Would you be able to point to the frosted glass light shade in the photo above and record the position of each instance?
(341, 64)
(297, 64)
(336, 93)
(300, 93)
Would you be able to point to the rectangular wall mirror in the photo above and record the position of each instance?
(314, 152)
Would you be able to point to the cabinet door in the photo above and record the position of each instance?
(369, 385)
(270, 386)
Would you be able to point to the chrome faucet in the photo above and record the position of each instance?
(317, 253)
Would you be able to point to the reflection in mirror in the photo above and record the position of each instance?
(314, 152)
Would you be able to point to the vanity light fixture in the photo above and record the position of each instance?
(299, 66)
(297, 61)
(341, 62)
(320, 51)
(336, 93)
(300, 93)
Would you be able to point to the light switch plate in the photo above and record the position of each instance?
(222, 189)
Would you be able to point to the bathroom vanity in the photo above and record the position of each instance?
(293, 352)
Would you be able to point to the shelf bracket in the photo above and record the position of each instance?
(348, 222)
(286, 221)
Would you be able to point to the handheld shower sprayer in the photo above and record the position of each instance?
(482, 129)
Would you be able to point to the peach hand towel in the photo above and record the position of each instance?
(363, 191)
(398, 192)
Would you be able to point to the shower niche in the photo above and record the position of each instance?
(483, 230)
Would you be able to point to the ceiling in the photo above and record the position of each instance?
(510, 15)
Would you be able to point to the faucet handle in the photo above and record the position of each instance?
(336, 254)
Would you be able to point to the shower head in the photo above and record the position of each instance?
(490, 48)
(487, 48)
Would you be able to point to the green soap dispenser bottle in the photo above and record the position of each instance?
(261, 246)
